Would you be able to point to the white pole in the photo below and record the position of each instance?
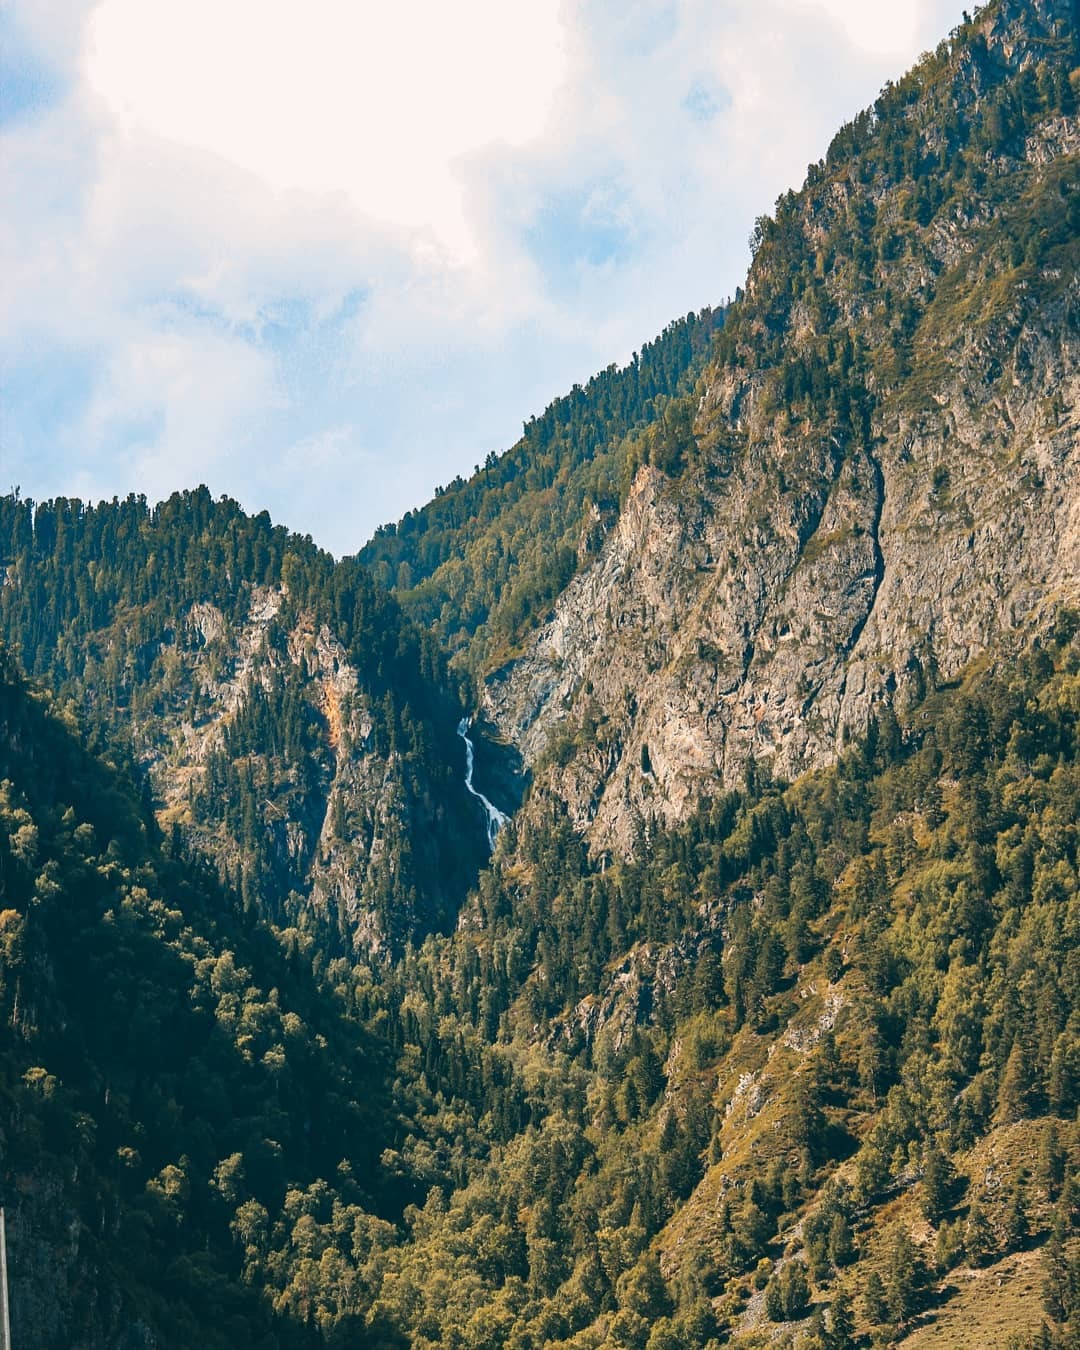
(5, 1325)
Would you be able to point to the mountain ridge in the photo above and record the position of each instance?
(284, 716)
(760, 1024)
(846, 471)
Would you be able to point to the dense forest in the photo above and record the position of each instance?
(162, 1048)
(850, 1015)
(291, 1058)
(278, 700)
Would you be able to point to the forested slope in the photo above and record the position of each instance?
(484, 561)
(815, 1038)
(169, 1072)
(285, 718)
(761, 1024)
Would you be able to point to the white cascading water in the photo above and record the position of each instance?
(495, 819)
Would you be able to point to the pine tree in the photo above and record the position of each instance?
(875, 1307)
(796, 1289)
(907, 1280)
(774, 1301)
(1055, 1266)
(938, 1181)
(841, 1242)
(787, 1295)
(1015, 1091)
(841, 1333)
(1015, 1227)
(1050, 1167)
(979, 1240)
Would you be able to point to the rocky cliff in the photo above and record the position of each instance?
(330, 828)
(285, 721)
(882, 479)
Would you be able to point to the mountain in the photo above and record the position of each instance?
(286, 720)
(760, 1024)
(484, 561)
(879, 482)
(166, 1066)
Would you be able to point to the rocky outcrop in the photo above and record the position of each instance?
(731, 623)
(767, 603)
(330, 818)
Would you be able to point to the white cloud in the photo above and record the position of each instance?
(374, 100)
(889, 30)
(185, 404)
(251, 239)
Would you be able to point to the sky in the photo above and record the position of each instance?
(324, 255)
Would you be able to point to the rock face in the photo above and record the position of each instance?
(799, 574)
(282, 717)
(707, 635)
(329, 821)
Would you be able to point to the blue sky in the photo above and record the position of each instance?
(324, 256)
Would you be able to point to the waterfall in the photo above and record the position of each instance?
(494, 818)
